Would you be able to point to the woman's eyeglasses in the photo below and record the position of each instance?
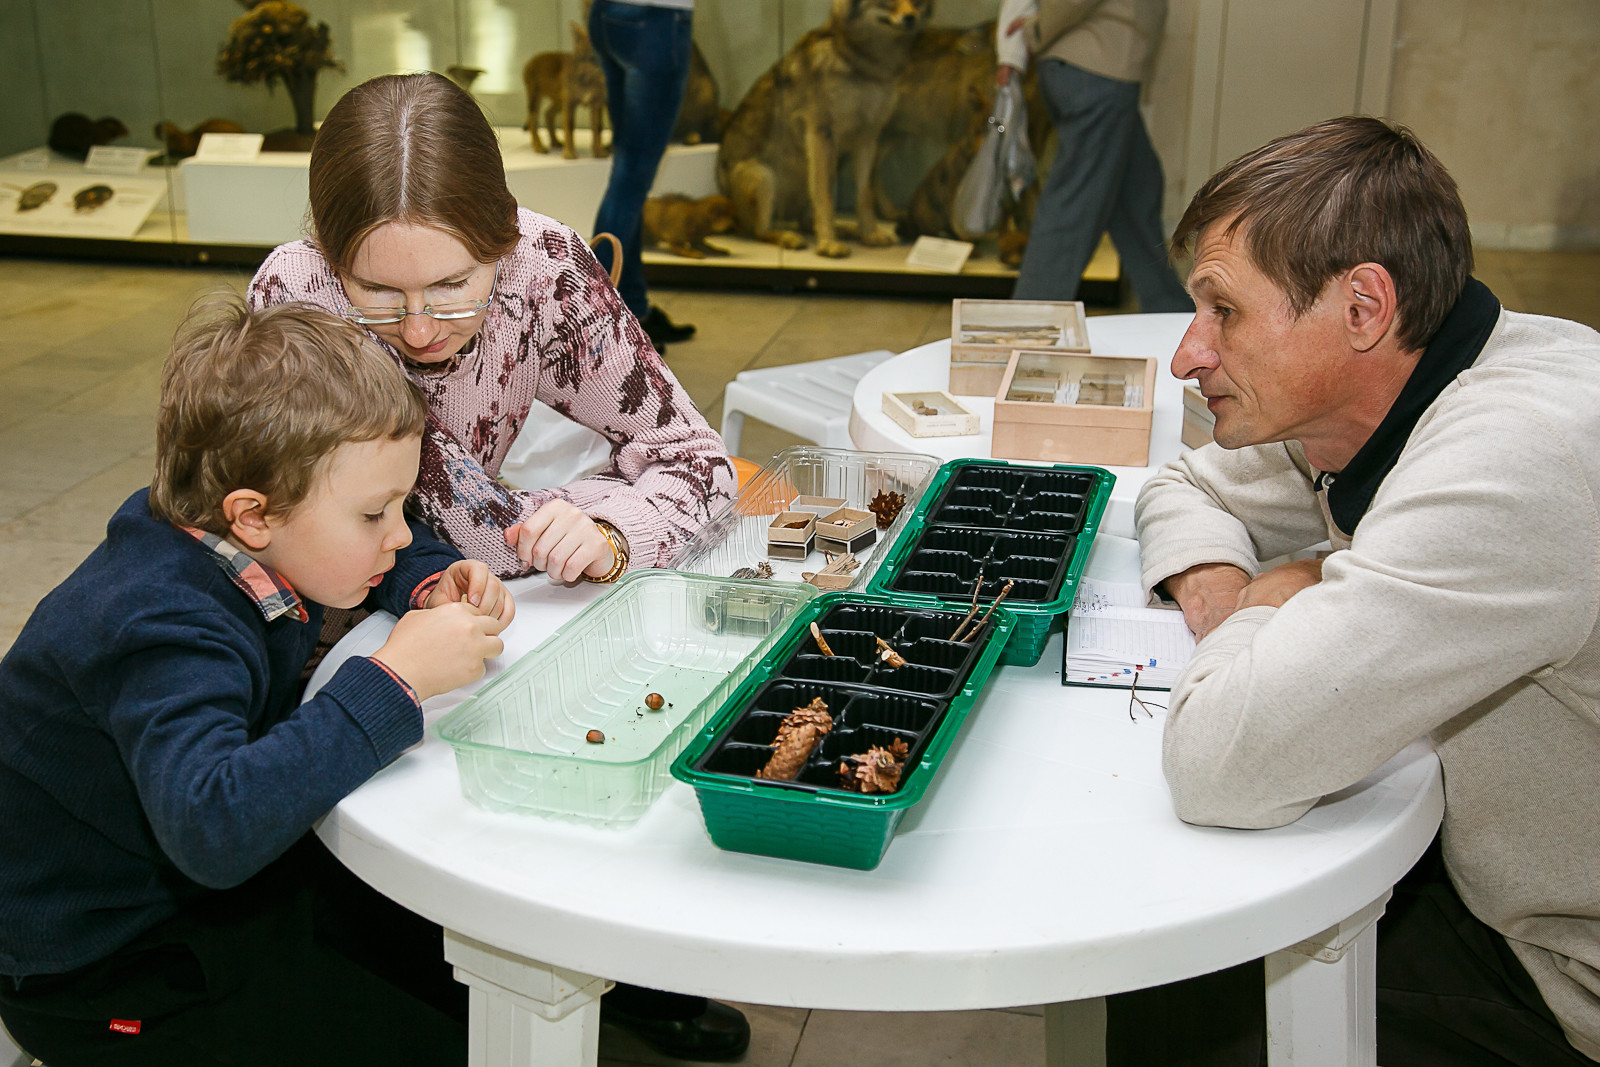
(384, 316)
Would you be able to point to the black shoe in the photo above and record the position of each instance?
(662, 330)
(718, 1033)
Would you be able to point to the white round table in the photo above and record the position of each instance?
(928, 367)
(1045, 866)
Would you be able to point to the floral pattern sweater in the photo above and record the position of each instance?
(557, 333)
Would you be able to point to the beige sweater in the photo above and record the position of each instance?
(1466, 607)
(1112, 38)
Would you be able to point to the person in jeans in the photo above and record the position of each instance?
(644, 48)
(1106, 177)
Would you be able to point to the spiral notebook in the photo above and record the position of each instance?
(1112, 633)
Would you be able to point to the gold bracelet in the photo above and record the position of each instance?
(619, 549)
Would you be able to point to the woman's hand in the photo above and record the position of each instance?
(470, 580)
(563, 542)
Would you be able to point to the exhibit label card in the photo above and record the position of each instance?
(104, 159)
(32, 159)
(940, 254)
(228, 147)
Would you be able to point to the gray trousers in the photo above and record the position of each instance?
(1105, 178)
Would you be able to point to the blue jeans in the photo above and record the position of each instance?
(644, 52)
(1106, 177)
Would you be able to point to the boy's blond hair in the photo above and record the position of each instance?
(258, 399)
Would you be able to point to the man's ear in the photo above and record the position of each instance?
(246, 513)
(1370, 313)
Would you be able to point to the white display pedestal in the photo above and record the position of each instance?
(263, 201)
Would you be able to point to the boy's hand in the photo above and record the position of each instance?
(442, 648)
(563, 542)
(470, 579)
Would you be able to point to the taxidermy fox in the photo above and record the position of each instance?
(565, 81)
(681, 224)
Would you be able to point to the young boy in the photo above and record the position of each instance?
(156, 767)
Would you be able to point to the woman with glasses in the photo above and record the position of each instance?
(493, 310)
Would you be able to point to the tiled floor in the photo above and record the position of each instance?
(79, 378)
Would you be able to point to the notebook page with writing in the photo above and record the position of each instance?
(1111, 632)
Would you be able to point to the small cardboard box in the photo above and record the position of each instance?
(846, 530)
(817, 505)
(830, 583)
(1075, 408)
(984, 333)
(791, 534)
(948, 419)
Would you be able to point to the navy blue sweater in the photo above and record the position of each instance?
(151, 746)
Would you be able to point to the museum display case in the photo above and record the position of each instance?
(179, 129)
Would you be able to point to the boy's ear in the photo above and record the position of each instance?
(246, 513)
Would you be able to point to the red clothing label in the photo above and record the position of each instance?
(125, 1026)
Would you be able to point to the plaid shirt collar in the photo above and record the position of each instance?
(268, 591)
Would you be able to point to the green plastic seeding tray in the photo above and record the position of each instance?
(1008, 520)
(521, 741)
(923, 703)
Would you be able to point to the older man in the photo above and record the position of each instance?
(1369, 393)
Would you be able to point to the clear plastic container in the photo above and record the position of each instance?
(521, 742)
(736, 537)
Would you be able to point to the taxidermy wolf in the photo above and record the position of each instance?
(827, 99)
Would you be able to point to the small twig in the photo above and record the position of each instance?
(973, 636)
(889, 655)
(821, 644)
(962, 625)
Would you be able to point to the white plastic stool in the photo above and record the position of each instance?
(810, 400)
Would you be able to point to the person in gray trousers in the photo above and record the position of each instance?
(1092, 56)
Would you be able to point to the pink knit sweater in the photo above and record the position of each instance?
(557, 332)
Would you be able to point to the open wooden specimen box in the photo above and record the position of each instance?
(1075, 407)
(931, 414)
(846, 530)
(984, 333)
(790, 534)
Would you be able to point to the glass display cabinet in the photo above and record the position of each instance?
(130, 133)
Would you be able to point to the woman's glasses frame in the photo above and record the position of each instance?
(383, 316)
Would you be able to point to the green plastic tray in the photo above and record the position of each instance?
(520, 742)
(1035, 621)
(812, 819)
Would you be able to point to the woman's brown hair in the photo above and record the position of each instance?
(409, 148)
(1346, 191)
(259, 399)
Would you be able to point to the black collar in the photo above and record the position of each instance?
(1453, 349)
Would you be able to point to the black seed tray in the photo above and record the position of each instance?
(871, 702)
(1014, 498)
(945, 561)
